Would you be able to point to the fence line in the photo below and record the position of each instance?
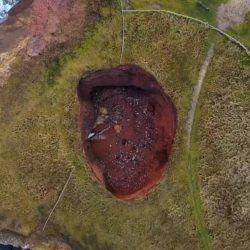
(232, 39)
(59, 198)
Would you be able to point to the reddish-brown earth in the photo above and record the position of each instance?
(55, 22)
(14, 29)
(128, 126)
(47, 25)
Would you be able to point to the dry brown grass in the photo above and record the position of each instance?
(223, 142)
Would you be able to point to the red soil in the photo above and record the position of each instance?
(54, 22)
(128, 127)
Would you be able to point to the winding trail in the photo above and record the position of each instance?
(192, 169)
(196, 94)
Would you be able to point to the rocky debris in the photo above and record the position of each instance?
(231, 13)
(34, 242)
(9, 238)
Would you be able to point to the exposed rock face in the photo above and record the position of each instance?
(128, 127)
(54, 22)
(34, 242)
(39, 26)
(15, 240)
(13, 36)
(14, 29)
(50, 244)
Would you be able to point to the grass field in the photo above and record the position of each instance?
(42, 123)
(205, 10)
(40, 141)
(221, 145)
(166, 220)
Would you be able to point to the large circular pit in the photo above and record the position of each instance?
(128, 126)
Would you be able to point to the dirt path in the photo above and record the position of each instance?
(192, 169)
(228, 15)
(196, 94)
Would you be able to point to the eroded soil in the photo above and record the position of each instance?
(128, 126)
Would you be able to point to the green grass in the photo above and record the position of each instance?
(149, 221)
(193, 8)
(195, 200)
(40, 140)
(189, 7)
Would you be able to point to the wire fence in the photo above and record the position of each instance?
(207, 25)
(59, 198)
